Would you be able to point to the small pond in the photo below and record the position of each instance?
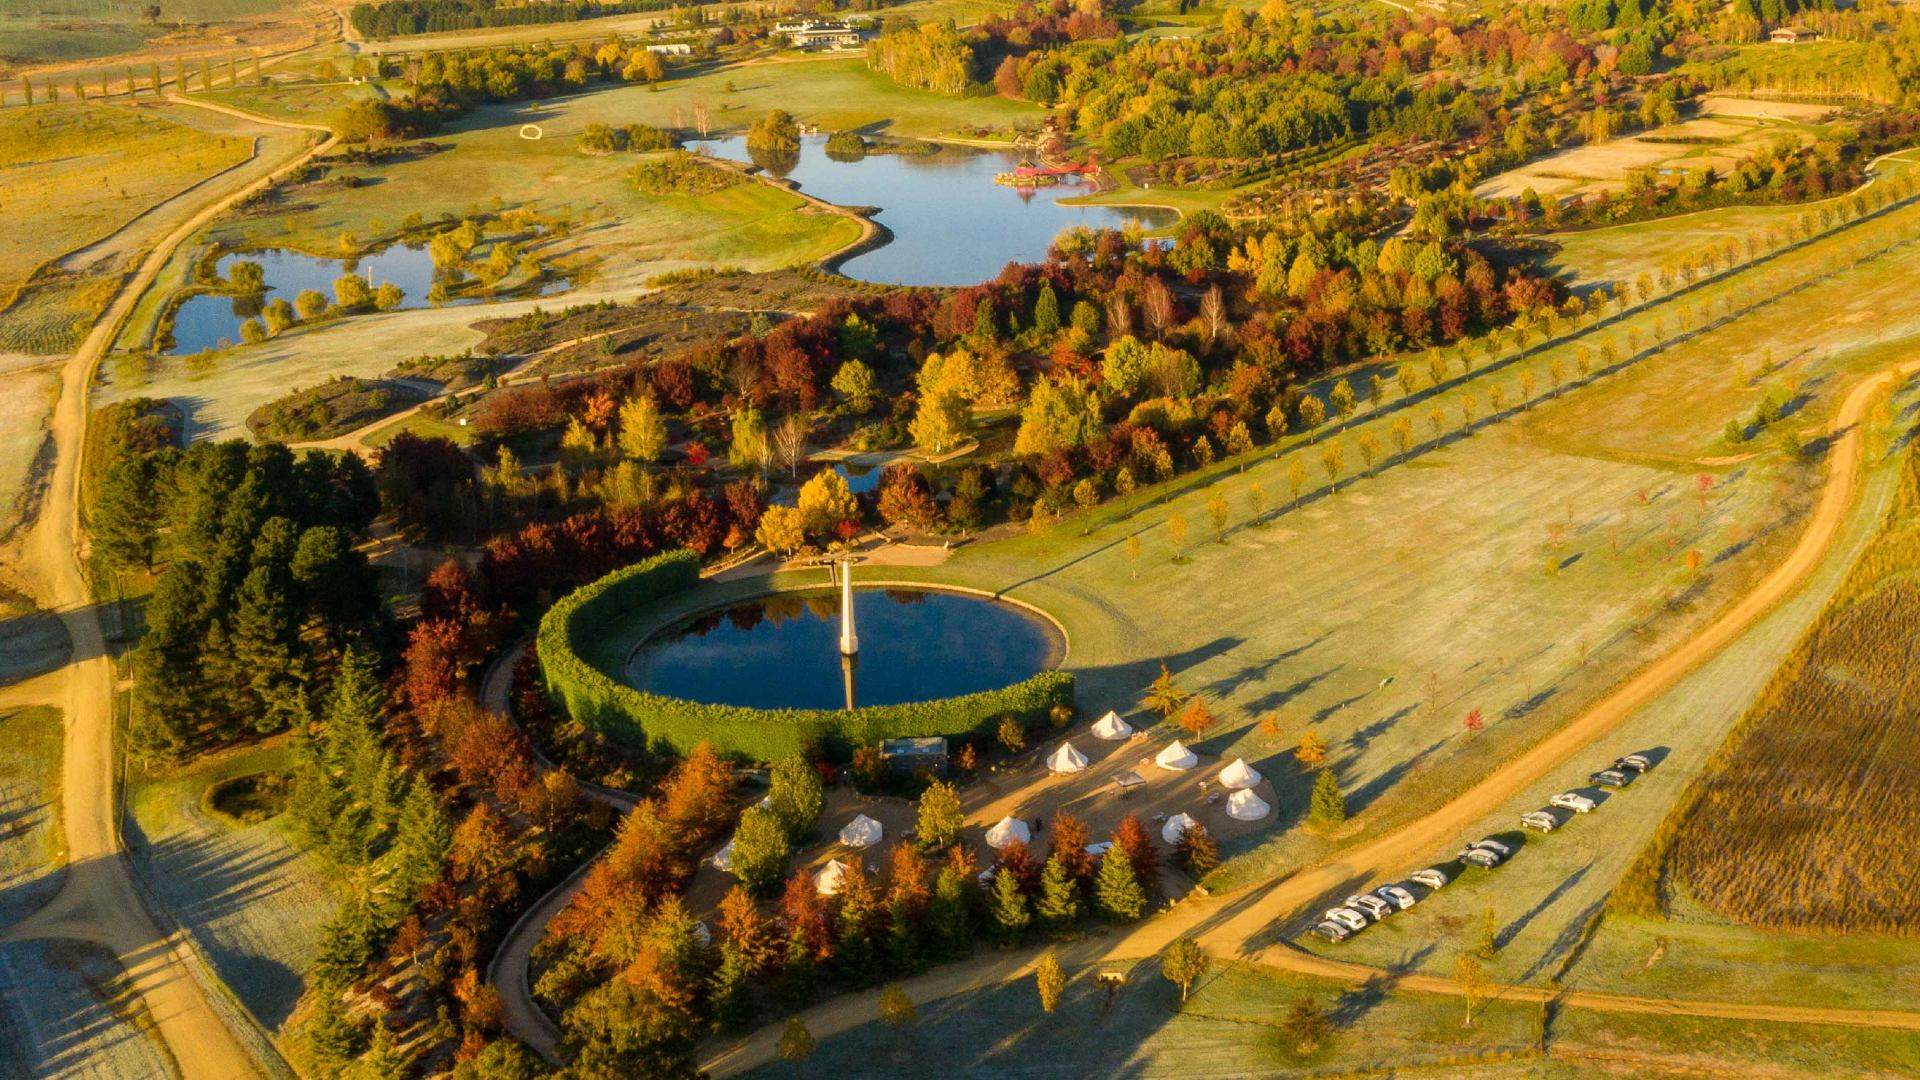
(951, 224)
(783, 651)
(208, 320)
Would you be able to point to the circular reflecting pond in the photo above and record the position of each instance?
(783, 651)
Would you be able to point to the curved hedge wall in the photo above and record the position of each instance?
(642, 719)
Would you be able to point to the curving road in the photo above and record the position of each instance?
(99, 901)
(1228, 924)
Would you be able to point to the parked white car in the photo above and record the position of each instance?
(1539, 819)
(1349, 918)
(1432, 877)
(1374, 906)
(1399, 897)
(1574, 801)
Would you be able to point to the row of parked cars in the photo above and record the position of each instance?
(1362, 910)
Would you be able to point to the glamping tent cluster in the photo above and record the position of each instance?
(1238, 778)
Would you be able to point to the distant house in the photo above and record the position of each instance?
(672, 48)
(821, 34)
(1793, 35)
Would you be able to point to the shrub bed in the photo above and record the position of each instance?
(636, 717)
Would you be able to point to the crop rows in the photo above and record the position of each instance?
(1802, 820)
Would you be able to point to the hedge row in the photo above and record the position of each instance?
(641, 719)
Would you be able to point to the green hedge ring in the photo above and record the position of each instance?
(638, 718)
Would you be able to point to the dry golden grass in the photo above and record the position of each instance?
(1804, 819)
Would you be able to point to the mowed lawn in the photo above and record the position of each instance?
(254, 903)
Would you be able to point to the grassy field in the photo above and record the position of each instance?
(1623, 252)
(82, 169)
(31, 845)
(52, 31)
(1545, 902)
(1794, 826)
(1230, 1026)
(64, 1012)
(1234, 1025)
(26, 396)
(253, 902)
(1726, 132)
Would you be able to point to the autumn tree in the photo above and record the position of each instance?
(643, 431)
(1050, 979)
(1312, 751)
(1182, 963)
(940, 817)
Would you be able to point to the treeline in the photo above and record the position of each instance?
(933, 57)
(261, 586)
(399, 18)
(1273, 84)
(445, 83)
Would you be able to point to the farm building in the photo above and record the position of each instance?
(1793, 35)
(822, 34)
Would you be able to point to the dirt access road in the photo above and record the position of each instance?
(99, 901)
(1232, 924)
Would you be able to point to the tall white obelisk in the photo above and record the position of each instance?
(849, 641)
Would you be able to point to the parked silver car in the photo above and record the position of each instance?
(1396, 895)
(1574, 801)
(1638, 763)
(1614, 778)
(1332, 931)
(1432, 877)
(1539, 819)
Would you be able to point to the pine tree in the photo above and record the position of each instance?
(1011, 914)
(1488, 945)
(950, 915)
(1059, 905)
(1117, 890)
(728, 993)
(1197, 850)
(1329, 805)
(1046, 311)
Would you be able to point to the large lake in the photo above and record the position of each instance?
(783, 651)
(951, 224)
